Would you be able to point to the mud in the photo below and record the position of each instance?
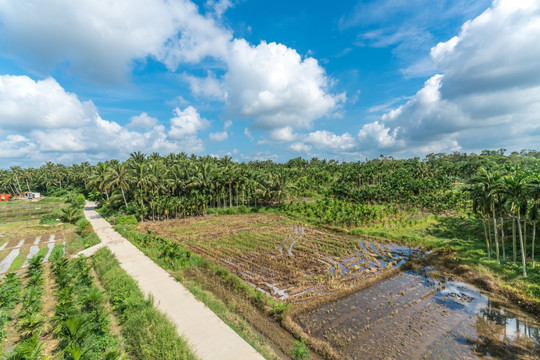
(283, 259)
(413, 315)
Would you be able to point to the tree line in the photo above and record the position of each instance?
(508, 200)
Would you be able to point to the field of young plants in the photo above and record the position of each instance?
(285, 259)
(22, 237)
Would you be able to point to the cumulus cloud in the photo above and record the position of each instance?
(102, 38)
(300, 147)
(269, 83)
(58, 124)
(142, 121)
(187, 122)
(209, 86)
(219, 6)
(323, 139)
(276, 87)
(283, 134)
(25, 104)
(222, 135)
(488, 90)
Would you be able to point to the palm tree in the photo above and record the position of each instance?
(515, 184)
(118, 177)
(490, 188)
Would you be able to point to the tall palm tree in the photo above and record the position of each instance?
(515, 184)
(118, 177)
(490, 183)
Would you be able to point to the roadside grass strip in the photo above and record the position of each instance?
(147, 333)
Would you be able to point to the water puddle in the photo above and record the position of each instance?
(412, 315)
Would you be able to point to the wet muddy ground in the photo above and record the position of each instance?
(284, 259)
(414, 316)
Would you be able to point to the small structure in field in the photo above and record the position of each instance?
(32, 195)
(5, 197)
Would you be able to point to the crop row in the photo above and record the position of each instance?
(30, 318)
(81, 320)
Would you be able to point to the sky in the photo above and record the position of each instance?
(92, 80)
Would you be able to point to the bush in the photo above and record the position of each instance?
(84, 228)
(70, 215)
(79, 201)
(126, 220)
(300, 351)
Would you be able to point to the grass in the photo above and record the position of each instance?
(43, 251)
(197, 274)
(148, 334)
(231, 318)
(19, 260)
(57, 250)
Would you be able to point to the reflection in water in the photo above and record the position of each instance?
(412, 315)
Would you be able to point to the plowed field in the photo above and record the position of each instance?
(287, 260)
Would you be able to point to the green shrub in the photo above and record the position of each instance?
(79, 201)
(126, 220)
(300, 351)
(84, 228)
(70, 214)
(49, 218)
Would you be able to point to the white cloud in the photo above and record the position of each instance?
(186, 122)
(273, 85)
(222, 135)
(219, 6)
(209, 86)
(376, 134)
(16, 146)
(488, 92)
(283, 134)
(323, 139)
(300, 147)
(219, 136)
(142, 121)
(25, 104)
(270, 83)
(101, 38)
(41, 121)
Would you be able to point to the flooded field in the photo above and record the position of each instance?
(413, 315)
(287, 260)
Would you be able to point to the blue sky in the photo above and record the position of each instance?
(93, 80)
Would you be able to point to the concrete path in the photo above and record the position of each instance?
(91, 250)
(209, 337)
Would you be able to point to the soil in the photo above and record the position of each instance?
(415, 316)
(289, 261)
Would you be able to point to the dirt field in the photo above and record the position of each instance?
(288, 260)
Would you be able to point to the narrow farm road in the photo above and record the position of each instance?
(209, 337)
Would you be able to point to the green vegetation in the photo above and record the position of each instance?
(172, 256)
(147, 333)
(10, 289)
(30, 319)
(81, 321)
(300, 351)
